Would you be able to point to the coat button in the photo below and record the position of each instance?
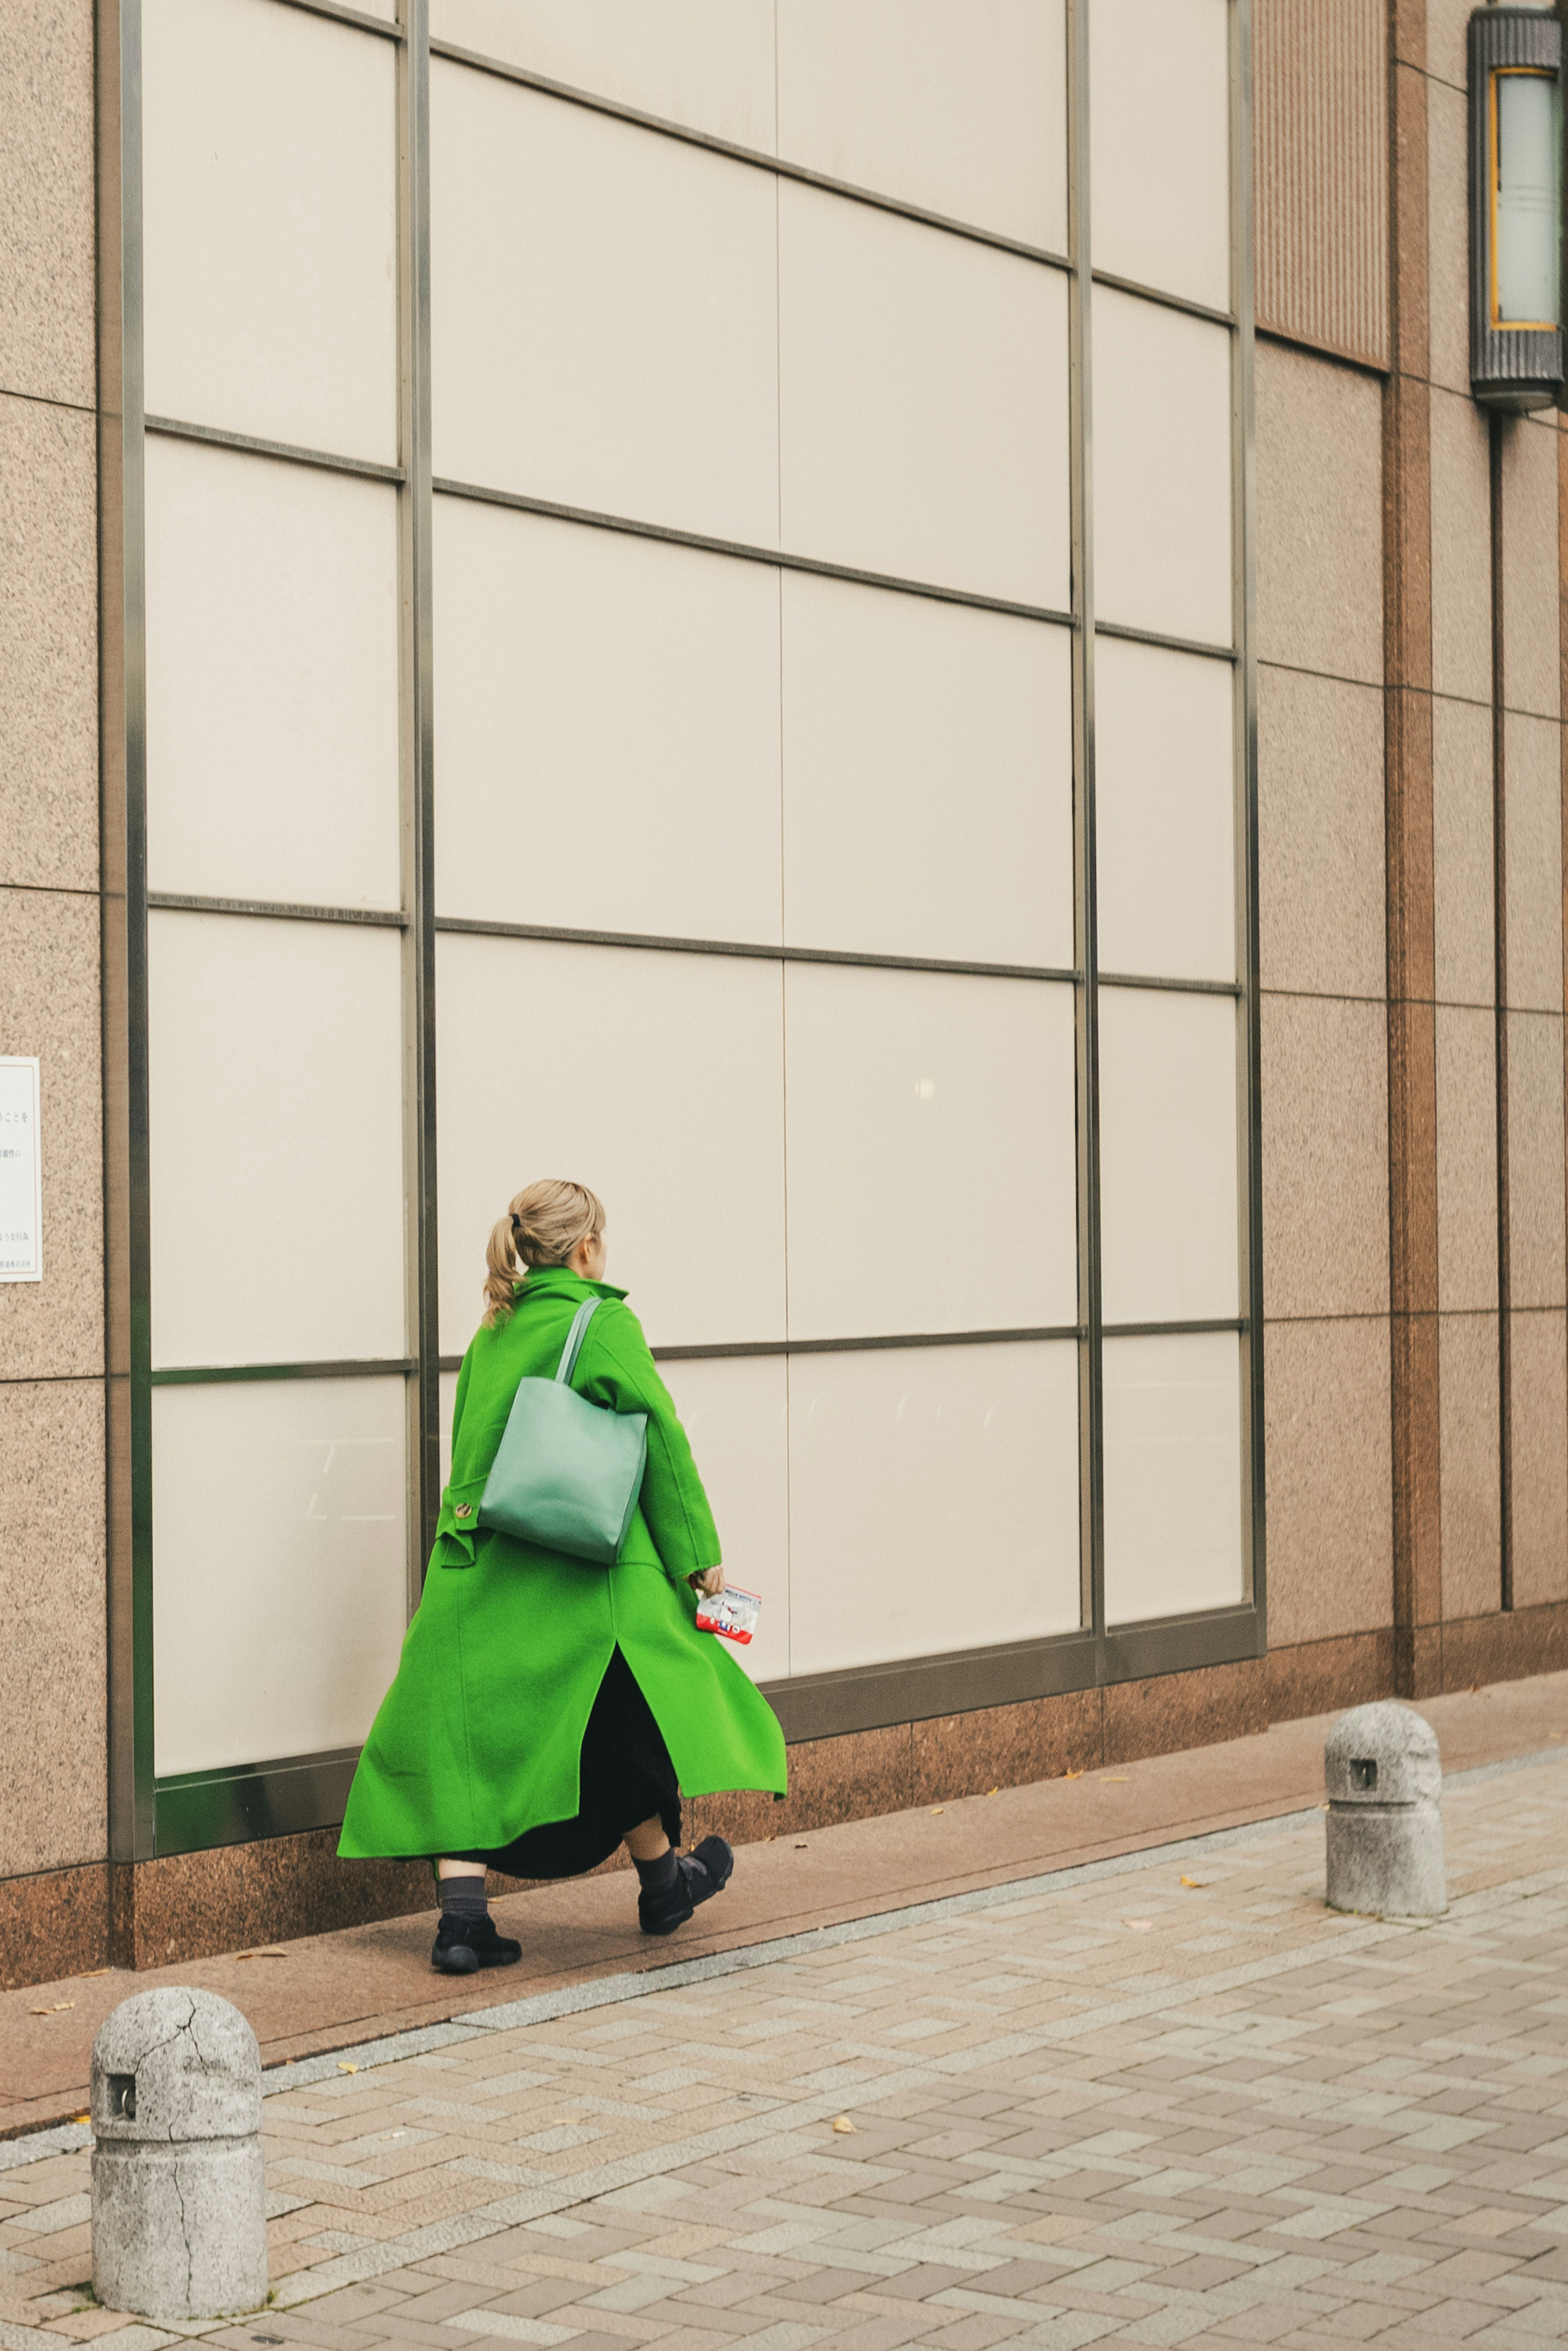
(465, 1510)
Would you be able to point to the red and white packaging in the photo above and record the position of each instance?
(732, 1614)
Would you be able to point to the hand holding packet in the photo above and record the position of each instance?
(732, 1613)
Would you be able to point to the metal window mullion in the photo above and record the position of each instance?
(123, 873)
(417, 745)
(1090, 1382)
(1244, 599)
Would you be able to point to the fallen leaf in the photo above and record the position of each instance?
(993, 1791)
(1198, 1882)
(81, 2119)
(346, 2069)
(937, 1808)
(261, 1955)
(55, 2009)
(1072, 1775)
(1118, 1778)
(800, 1848)
(842, 2123)
(1138, 1926)
(95, 1972)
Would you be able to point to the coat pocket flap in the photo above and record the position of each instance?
(458, 1526)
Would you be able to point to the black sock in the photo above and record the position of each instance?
(463, 1899)
(654, 1876)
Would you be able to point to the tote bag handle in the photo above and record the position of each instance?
(568, 1354)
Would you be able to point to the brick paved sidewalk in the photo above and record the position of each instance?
(1170, 2099)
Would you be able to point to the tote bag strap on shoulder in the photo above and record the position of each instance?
(568, 1354)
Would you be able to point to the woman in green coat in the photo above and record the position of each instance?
(544, 1709)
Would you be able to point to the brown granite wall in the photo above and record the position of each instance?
(52, 1697)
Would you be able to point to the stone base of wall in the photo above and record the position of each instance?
(192, 1905)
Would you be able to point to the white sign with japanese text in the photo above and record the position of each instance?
(21, 1171)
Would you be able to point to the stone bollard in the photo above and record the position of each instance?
(1385, 1784)
(179, 2204)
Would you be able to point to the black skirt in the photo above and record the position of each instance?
(625, 1775)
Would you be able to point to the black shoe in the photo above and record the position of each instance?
(699, 1875)
(463, 1946)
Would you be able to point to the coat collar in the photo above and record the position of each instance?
(560, 1281)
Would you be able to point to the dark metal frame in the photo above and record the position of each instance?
(191, 1810)
(1514, 369)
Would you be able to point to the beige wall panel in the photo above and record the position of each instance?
(53, 1698)
(933, 1500)
(1538, 1412)
(1330, 1478)
(275, 1060)
(1461, 550)
(1165, 811)
(1159, 144)
(1470, 1492)
(1449, 235)
(923, 403)
(606, 730)
(736, 1411)
(272, 680)
(1463, 880)
(1325, 1156)
(46, 295)
(1162, 469)
(960, 110)
(668, 1101)
(1532, 598)
(1321, 919)
(1320, 516)
(1535, 1159)
(603, 312)
(1173, 1476)
(1533, 825)
(48, 647)
(49, 1004)
(1168, 1203)
(928, 776)
(269, 156)
(704, 63)
(908, 1092)
(281, 1574)
(1467, 1160)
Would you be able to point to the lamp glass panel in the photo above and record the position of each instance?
(928, 776)
(933, 1500)
(597, 688)
(269, 249)
(736, 1411)
(931, 1156)
(1165, 811)
(272, 680)
(1529, 199)
(603, 312)
(655, 1078)
(923, 403)
(1174, 1491)
(276, 1112)
(279, 1584)
(1169, 1203)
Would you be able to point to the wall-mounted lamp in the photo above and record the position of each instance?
(1516, 207)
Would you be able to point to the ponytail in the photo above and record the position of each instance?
(541, 1226)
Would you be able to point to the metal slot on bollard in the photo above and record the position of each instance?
(179, 2202)
(1385, 1781)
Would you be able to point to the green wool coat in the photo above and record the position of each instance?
(479, 1737)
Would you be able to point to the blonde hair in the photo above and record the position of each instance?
(542, 1227)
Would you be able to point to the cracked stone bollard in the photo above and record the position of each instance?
(179, 2204)
(1385, 1784)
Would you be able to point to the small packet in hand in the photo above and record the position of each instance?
(731, 1613)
